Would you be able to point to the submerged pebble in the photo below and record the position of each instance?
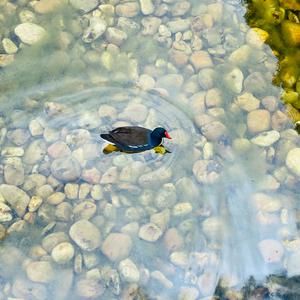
(30, 33)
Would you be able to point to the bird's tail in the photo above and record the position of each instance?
(110, 148)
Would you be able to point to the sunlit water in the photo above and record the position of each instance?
(222, 209)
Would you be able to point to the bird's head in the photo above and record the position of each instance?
(160, 132)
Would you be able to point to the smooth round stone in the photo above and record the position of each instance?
(182, 209)
(147, 7)
(247, 102)
(12, 151)
(293, 161)
(86, 235)
(9, 46)
(129, 271)
(234, 80)
(173, 240)
(178, 25)
(16, 197)
(206, 78)
(95, 30)
(85, 5)
(56, 198)
(5, 213)
(35, 203)
(67, 169)
(180, 259)
(40, 271)
(212, 227)
(110, 176)
(58, 149)
(89, 288)
(266, 139)
(266, 203)
(62, 253)
(129, 9)
(150, 232)
(201, 60)
(30, 33)
(117, 246)
(71, 190)
(14, 174)
(36, 128)
(271, 250)
(35, 152)
(53, 239)
(46, 6)
(258, 120)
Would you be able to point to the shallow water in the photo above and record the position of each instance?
(218, 210)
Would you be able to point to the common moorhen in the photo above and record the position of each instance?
(133, 139)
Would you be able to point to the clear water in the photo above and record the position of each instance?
(207, 190)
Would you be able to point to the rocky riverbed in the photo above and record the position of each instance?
(193, 224)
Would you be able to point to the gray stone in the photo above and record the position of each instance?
(14, 173)
(9, 46)
(30, 33)
(66, 169)
(115, 36)
(35, 152)
(40, 271)
(234, 80)
(85, 5)
(16, 197)
(63, 253)
(147, 7)
(293, 161)
(129, 9)
(117, 246)
(150, 232)
(129, 271)
(95, 30)
(266, 139)
(86, 235)
(5, 213)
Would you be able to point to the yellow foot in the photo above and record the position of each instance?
(110, 148)
(161, 150)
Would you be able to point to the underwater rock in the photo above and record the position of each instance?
(12, 151)
(291, 33)
(178, 25)
(26, 289)
(40, 271)
(271, 250)
(173, 240)
(150, 232)
(147, 7)
(47, 6)
(266, 203)
(180, 8)
(293, 161)
(129, 271)
(182, 209)
(30, 33)
(9, 46)
(95, 30)
(213, 130)
(89, 288)
(150, 25)
(128, 10)
(62, 253)
(16, 197)
(266, 139)
(136, 113)
(35, 127)
(85, 5)
(201, 60)
(162, 279)
(256, 84)
(53, 239)
(6, 60)
(117, 246)
(206, 78)
(58, 149)
(161, 219)
(66, 169)
(34, 203)
(234, 80)
(14, 173)
(247, 102)
(5, 213)
(241, 55)
(71, 190)
(35, 152)
(18, 136)
(258, 120)
(189, 293)
(86, 235)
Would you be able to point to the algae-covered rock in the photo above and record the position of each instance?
(290, 4)
(291, 33)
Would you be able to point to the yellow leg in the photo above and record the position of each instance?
(110, 148)
(160, 150)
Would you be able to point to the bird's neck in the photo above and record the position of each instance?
(155, 140)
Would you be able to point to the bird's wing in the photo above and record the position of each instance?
(131, 135)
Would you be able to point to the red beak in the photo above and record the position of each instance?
(167, 135)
